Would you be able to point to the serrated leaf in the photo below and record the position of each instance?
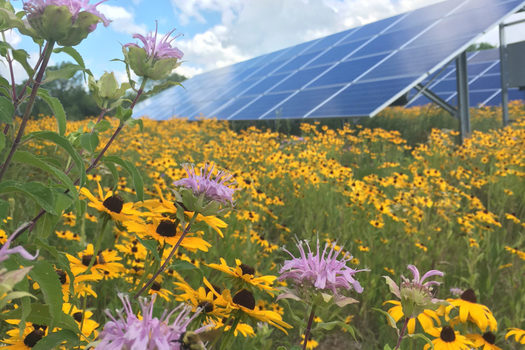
(53, 340)
(41, 194)
(57, 109)
(45, 275)
(65, 144)
(89, 141)
(138, 183)
(33, 160)
(7, 110)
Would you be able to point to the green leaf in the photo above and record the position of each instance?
(138, 183)
(67, 71)
(30, 159)
(161, 87)
(182, 266)
(41, 194)
(387, 347)
(422, 336)
(7, 110)
(151, 245)
(103, 125)
(45, 275)
(40, 315)
(65, 144)
(57, 108)
(21, 56)
(390, 319)
(132, 122)
(53, 340)
(74, 54)
(89, 141)
(123, 114)
(4, 209)
(114, 172)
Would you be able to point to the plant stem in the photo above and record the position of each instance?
(165, 265)
(225, 344)
(402, 333)
(309, 326)
(48, 50)
(98, 242)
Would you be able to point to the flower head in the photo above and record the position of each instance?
(158, 48)
(323, 270)
(127, 331)
(66, 22)
(416, 295)
(203, 182)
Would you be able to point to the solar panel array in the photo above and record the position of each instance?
(356, 72)
(484, 82)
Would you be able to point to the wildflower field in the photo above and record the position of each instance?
(378, 202)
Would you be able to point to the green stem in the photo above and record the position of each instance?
(230, 335)
(166, 262)
(309, 326)
(98, 242)
(48, 50)
(402, 333)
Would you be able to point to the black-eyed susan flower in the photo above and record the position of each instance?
(427, 318)
(32, 334)
(310, 344)
(202, 298)
(83, 319)
(246, 274)
(486, 341)
(110, 204)
(448, 339)
(470, 310)
(165, 231)
(518, 334)
(106, 263)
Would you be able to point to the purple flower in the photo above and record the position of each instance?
(127, 331)
(158, 49)
(323, 271)
(202, 183)
(5, 251)
(37, 7)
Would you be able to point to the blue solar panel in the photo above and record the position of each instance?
(356, 72)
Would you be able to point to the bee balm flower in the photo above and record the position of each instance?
(66, 22)
(156, 59)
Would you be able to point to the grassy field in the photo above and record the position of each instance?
(389, 198)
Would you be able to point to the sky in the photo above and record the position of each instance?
(216, 33)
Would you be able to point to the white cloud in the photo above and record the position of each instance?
(122, 20)
(251, 28)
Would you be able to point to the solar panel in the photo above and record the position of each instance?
(356, 72)
(484, 82)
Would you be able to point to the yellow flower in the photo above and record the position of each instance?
(104, 267)
(448, 339)
(486, 340)
(200, 297)
(31, 336)
(166, 231)
(244, 301)
(470, 310)
(110, 203)
(519, 335)
(89, 326)
(426, 318)
(310, 344)
(246, 274)
(70, 236)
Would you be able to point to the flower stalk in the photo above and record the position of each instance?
(402, 333)
(309, 326)
(168, 259)
(48, 50)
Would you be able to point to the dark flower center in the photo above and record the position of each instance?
(134, 249)
(61, 276)
(37, 326)
(489, 337)
(167, 228)
(247, 270)
(114, 204)
(34, 337)
(447, 334)
(469, 295)
(100, 259)
(86, 259)
(78, 316)
(244, 298)
(206, 306)
(156, 286)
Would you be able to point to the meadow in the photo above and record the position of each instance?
(385, 197)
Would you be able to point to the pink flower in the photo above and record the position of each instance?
(202, 183)
(5, 251)
(37, 7)
(322, 271)
(158, 48)
(127, 331)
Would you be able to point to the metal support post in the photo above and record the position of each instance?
(436, 99)
(462, 96)
(504, 78)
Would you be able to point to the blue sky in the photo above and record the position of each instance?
(216, 33)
